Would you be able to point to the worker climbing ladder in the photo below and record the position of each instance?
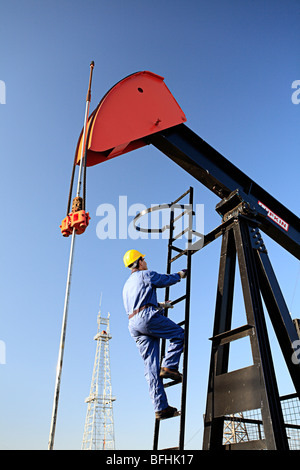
(186, 210)
(185, 323)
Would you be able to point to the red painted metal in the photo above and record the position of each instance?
(65, 226)
(137, 106)
(78, 220)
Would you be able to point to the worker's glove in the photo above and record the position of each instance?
(166, 304)
(183, 273)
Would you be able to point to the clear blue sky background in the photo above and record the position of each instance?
(230, 65)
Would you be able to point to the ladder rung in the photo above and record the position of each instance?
(172, 382)
(168, 417)
(181, 233)
(174, 302)
(171, 448)
(179, 250)
(175, 248)
(182, 252)
(186, 211)
(232, 335)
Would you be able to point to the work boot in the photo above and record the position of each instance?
(166, 373)
(168, 412)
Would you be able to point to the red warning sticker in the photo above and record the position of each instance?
(275, 217)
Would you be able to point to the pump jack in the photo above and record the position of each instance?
(140, 110)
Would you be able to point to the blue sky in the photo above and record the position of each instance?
(230, 65)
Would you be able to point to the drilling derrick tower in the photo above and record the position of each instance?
(235, 430)
(99, 424)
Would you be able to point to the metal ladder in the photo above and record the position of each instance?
(184, 298)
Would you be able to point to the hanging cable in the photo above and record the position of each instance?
(74, 229)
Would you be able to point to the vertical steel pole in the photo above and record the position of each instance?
(68, 285)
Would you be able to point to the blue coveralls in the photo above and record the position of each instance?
(149, 325)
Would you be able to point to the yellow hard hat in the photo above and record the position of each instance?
(131, 256)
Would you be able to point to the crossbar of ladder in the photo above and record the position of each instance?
(174, 302)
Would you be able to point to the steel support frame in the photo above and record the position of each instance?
(220, 176)
(255, 386)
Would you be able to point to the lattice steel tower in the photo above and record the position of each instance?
(99, 424)
(235, 430)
